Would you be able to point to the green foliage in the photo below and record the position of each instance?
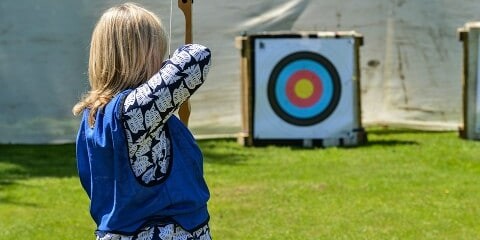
(401, 185)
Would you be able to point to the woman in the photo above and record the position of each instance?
(139, 165)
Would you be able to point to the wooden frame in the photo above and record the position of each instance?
(469, 35)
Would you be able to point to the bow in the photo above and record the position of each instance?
(186, 7)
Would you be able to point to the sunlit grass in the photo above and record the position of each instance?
(401, 185)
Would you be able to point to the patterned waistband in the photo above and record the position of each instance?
(171, 231)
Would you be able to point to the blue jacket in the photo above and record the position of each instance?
(120, 201)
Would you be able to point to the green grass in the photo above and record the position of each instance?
(401, 185)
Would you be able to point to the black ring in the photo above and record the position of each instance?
(272, 98)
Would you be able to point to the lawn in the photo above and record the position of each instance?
(402, 185)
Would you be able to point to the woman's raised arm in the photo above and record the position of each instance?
(149, 106)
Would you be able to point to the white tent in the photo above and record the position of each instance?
(410, 61)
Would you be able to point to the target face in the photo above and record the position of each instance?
(304, 88)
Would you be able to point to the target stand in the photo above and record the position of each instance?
(470, 36)
(301, 89)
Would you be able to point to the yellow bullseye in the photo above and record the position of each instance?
(304, 88)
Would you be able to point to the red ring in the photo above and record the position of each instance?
(317, 88)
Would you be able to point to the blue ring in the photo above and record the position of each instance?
(287, 72)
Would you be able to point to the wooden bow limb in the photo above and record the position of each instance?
(186, 7)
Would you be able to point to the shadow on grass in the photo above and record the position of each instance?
(388, 143)
(297, 144)
(389, 131)
(223, 152)
(370, 143)
(19, 162)
(223, 158)
(25, 161)
(7, 199)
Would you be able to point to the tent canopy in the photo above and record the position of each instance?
(410, 61)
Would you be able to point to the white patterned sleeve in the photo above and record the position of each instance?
(149, 106)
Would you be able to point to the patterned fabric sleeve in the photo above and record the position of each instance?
(148, 107)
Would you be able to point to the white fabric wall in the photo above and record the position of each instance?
(411, 59)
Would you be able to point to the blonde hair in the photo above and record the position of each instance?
(127, 48)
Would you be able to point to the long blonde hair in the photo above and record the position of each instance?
(127, 48)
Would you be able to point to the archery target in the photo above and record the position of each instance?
(303, 88)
